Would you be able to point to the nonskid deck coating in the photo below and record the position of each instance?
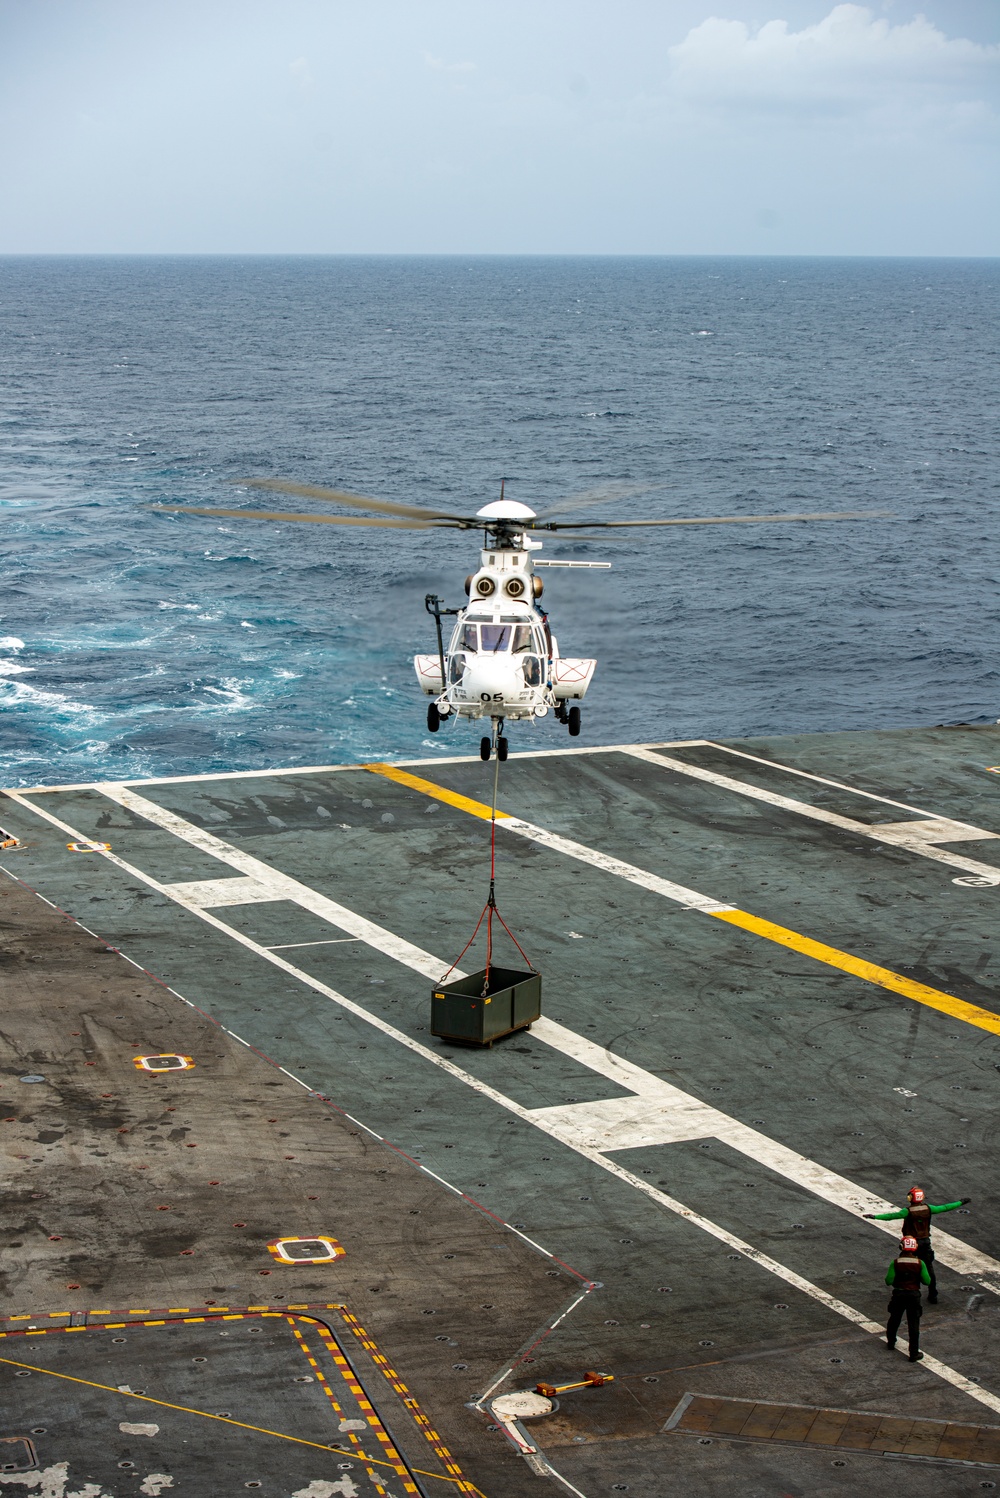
(712, 1247)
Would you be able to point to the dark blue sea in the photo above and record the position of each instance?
(136, 644)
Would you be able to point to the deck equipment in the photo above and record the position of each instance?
(589, 1381)
(496, 1001)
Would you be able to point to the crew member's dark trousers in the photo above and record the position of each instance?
(927, 1254)
(904, 1303)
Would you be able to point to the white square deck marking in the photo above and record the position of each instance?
(628, 1123)
(206, 894)
(933, 830)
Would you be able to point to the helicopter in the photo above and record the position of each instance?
(502, 662)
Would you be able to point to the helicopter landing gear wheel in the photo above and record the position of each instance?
(433, 717)
(485, 746)
(573, 719)
(501, 749)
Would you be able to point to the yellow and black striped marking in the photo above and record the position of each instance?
(29, 1324)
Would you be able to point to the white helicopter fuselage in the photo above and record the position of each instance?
(502, 660)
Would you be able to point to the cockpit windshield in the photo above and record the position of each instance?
(490, 639)
(494, 638)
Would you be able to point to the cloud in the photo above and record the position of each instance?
(301, 76)
(438, 65)
(850, 61)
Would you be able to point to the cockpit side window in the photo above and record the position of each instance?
(522, 638)
(468, 640)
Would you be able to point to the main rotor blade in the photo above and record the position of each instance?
(354, 501)
(571, 534)
(712, 520)
(602, 494)
(402, 525)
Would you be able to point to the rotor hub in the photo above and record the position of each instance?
(505, 509)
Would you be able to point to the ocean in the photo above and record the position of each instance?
(136, 644)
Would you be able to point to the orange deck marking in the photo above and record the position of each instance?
(420, 1419)
(395, 1460)
(280, 1246)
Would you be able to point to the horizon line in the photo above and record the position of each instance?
(490, 255)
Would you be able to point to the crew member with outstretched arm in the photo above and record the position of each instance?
(917, 1224)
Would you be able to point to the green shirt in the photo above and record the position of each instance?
(905, 1211)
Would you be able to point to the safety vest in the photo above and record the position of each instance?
(918, 1222)
(907, 1273)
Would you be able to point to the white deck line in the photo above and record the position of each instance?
(536, 1116)
(674, 1107)
(773, 764)
(917, 836)
(438, 759)
(332, 941)
(279, 886)
(669, 1112)
(212, 893)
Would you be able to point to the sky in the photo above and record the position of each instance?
(471, 127)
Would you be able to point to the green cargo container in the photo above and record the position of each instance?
(461, 1011)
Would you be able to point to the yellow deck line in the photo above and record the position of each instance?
(884, 977)
(870, 972)
(438, 792)
(223, 1419)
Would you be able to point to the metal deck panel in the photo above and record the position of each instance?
(799, 1053)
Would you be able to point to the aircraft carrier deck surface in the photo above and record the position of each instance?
(771, 1003)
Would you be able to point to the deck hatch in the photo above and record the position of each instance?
(17, 1454)
(846, 1430)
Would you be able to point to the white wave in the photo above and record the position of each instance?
(191, 607)
(234, 699)
(15, 693)
(11, 642)
(13, 668)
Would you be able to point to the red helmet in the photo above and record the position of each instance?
(916, 1194)
(908, 1244)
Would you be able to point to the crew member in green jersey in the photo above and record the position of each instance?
(905, 1275)
(917, 1224)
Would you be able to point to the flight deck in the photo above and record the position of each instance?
(266, 1231)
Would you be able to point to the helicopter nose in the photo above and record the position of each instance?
(486, 677)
